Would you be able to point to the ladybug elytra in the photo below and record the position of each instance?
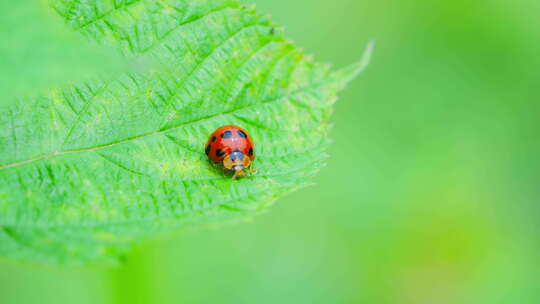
(231, 146)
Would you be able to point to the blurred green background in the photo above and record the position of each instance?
(431, 194)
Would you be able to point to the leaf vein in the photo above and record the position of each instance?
(161, 132)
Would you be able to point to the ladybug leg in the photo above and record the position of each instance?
(252, 169)
(238, 173)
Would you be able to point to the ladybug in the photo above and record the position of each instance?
(232, 147)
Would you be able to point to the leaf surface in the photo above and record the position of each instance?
(86, 171)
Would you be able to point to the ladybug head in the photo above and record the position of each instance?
(237, 161)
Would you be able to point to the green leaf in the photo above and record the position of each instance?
(89, 170)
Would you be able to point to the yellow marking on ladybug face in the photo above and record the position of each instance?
(236, 161)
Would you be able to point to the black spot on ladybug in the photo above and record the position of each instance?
(219, 153)
(242, 134)
(207, 150)
(250, 151)
(226, 134)
(214, 138)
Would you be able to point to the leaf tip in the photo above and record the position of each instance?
(349, 73)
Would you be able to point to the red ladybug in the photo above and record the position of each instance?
(231, 146)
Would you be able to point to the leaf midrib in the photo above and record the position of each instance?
(160, 132)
